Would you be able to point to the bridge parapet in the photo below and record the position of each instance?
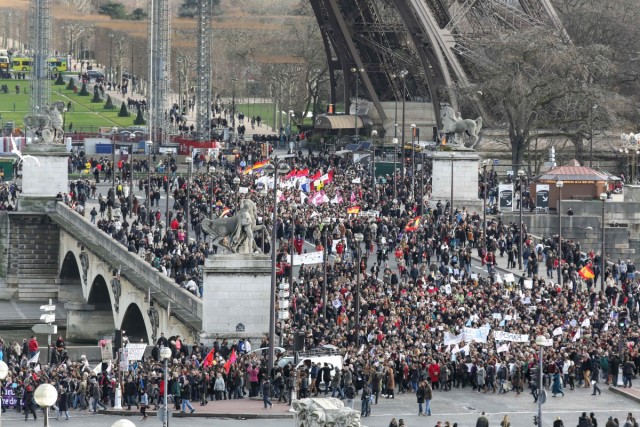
(184, 305)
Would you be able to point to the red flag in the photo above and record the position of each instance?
(291, 174)
(316, 176)
(230, 361)
(209, 359)
(302, 172)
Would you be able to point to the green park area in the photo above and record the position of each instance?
(86, 116)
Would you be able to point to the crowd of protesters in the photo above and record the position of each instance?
(416, 284)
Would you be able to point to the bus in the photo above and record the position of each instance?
(56, 64)
(4, 66)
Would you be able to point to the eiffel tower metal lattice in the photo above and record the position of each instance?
(426, 37)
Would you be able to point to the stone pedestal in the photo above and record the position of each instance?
(236, 300)
(463, 165)
(42, 181)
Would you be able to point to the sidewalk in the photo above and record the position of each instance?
(629, 393)
(240, 409)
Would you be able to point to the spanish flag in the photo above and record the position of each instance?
(444, 140)
(225, 212)
(586, 272)
(353, 210)
(413, 224)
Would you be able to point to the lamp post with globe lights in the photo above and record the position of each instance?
(325, 259)
(123, 423)
(521, 175)
(274, 169)
(559, 185)
(4, 371)
(542, 342)
(358, 237)
(46, 396)
(165, 355)
(603, 199)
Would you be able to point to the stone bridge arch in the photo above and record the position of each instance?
(70, 286)
(134, 323)
(90, 321)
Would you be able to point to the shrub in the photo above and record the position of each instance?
(71, 84)
(59, 80)
(139, 118)
(123, 110)
(109, 104)
(84, 91)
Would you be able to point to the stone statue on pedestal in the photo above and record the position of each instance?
(236, 233)
(452, 122)
(47, 128)
(324, 412)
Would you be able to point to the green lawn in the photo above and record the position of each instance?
(85, 115)
(265, 111)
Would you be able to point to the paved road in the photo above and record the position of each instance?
(461, 406)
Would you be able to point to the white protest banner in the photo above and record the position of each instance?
(507, 336)
(34, 359)
(243, 190)
(577, 336)
(475, 334)
(370, 214)
(135, 351)
(450, 339)
(528, 284)
(586, 323)
(106, 350)
(509, 278)
(502, 348)
(124, 359)
(497, 316)
(306, 259)
(557, 331)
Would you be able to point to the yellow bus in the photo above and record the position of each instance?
(55, 64)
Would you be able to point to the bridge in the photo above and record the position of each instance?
(59, 254)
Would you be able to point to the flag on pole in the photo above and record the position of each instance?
(209, 359)
(353, 210)
(586, 272)
(230, 361)
(98, 368)
(577, 336)
(303, 197)
(225, 212)
(557, 331)
(34, 359)
(413, 224)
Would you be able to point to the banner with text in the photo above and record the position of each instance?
(475, 334)
(450, 339)
(542, 196)
(306, 259)
(505, 192)
(506, 336)
(9, 397)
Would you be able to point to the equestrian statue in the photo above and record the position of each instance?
(452, 122)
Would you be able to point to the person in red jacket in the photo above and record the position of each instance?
(434, 374)
(33, 346)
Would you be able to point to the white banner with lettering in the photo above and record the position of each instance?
(450, 339)
(475, 334)
(506, 336)
(306, 259)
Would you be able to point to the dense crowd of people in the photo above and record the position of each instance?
(427, 322)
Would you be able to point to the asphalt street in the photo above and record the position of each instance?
(460, 405)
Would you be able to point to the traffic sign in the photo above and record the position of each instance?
(45, 329)
(48, 318)
(48, 307)
(496, 162)
(164, 413)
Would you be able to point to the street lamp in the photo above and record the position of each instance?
(189, 162)
(559, 185)
(413, 160)
(357, 72)
(233, 104)
(114, 132)
(593, 108)
(111, 36)
(165, 355)
(293, 208)
(485, 163)
(603, 198)
(236, 183)
(374, 135)
(289, 114)
(179, 61)
(325, 256)
(403, 75)
(4, 371)
(358, 237)
(394, 141)
(275, 170)
(46, 396)
(451, 189)
(212, 171)
(149, 147)
(521, 174)
(541, 341)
